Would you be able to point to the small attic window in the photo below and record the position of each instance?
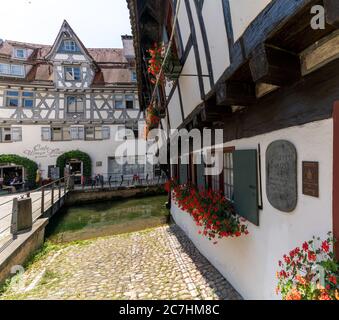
(20, 53)
(69, 46)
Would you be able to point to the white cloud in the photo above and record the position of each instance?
(98, 23)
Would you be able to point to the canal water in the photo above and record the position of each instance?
(106, 218)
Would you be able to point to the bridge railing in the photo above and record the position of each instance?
(114, 181)
(41, 199)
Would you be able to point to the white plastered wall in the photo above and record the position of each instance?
(250, 262)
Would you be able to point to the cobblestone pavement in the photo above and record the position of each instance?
(159, 263)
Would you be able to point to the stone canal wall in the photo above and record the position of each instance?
(88, 196)
(18, 251)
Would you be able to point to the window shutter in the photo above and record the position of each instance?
(183, 175)
(81, 133)
(201, 173)
(45, 134)
(246, 184)
(16, 134)
(75, 133)
(106, 132)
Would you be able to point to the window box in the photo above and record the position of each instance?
(172, 66)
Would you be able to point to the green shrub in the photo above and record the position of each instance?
(75, 154)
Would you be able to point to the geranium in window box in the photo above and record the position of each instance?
(211, 211)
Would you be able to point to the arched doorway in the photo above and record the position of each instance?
(77, 163)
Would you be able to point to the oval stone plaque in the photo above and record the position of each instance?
(281, 175)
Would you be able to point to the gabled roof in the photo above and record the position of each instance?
(67, 30)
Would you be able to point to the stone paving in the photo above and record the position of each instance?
(160, 263)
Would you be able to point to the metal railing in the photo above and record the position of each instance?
(43, 198)
(115, 181)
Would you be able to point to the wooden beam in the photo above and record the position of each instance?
(274, 66)
(236, 93)
(332, 12)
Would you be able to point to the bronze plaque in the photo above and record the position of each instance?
(311, 178)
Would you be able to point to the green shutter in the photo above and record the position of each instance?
(246, 184)
(183, 178)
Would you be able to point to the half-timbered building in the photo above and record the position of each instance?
(267, 73)
(54, 99)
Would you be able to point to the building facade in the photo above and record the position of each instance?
(66, 97)
(261, 72)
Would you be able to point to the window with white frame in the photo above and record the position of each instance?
(77, 133)
(27, 99)
(20, 53)
(69, 46)
(10, 134)
(134, 76)
(129, 101)
(60, 134)
(6, 134)
(72, 73)
(75, 104)
(16, 98)
(93, 133)
(12, 98)
(119, 102)
(12, 70)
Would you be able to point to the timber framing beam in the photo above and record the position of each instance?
(236, 93)
(332, 12)
(274, 66)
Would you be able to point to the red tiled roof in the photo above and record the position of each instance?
(115, 68)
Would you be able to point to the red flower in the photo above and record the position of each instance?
(333, 279)
(305, 246)
(312, 256)
(325, 246)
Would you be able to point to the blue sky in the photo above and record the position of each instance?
(98, 23)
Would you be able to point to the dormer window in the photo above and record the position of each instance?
(20, 53)
(69, 46)
(72, 73)
(14, 70)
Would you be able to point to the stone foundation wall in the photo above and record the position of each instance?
(17, 252)
(87, 196)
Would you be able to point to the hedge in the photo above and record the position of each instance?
(30, 166)
(79, 155)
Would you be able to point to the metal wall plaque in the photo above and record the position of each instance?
(311, 178)
(281, 175)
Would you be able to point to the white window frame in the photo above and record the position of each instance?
(2, 134)
(131, 95)
(63, 130)
(21, 97)
(10, 68)
(97, 133)
(72, 73)
(16, 50)
(69, 45)
(77, 97)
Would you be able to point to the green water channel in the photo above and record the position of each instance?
(108, 218)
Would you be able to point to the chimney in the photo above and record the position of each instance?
(127, 42)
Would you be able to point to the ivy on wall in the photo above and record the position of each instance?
(75, 154)
(30, 166)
